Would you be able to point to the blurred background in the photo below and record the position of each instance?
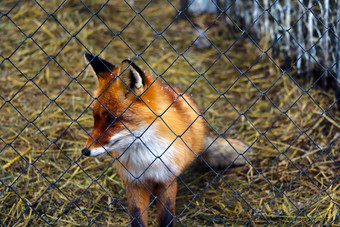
(266, 72)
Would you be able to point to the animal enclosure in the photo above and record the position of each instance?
(233, 63)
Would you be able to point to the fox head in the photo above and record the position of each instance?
(116, 104)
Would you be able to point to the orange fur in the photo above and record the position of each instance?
(178, 115)
(168, 120)
(177, 119)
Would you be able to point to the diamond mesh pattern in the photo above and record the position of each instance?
(275, 41)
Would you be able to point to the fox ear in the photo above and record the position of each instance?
(133, 76)
(100, 66)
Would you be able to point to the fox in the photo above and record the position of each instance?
(154, 131)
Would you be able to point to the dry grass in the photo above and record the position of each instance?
(45, 121)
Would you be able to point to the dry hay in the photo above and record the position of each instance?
(298, 186)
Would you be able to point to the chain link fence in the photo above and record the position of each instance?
(253, 67)
(303, 32)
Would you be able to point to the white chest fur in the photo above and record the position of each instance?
(146, 154)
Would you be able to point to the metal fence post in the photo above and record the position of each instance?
(254, 17)
(325, 42)
(300, 41)
(337, 40)
(310, 39)
(287, 36)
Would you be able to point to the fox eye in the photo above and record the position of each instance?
(110, 121)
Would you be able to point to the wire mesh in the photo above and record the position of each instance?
(302, 36)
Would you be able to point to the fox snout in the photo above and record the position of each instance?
(86, 152)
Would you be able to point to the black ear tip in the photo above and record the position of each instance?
(89, 56)
(98, 64)
(134, 66)
(126, 61)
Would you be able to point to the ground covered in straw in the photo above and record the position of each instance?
(292, 176)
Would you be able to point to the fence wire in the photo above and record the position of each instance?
(303, 33)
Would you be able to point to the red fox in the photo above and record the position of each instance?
(154, 131)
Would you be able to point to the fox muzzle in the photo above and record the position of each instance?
(86, 152)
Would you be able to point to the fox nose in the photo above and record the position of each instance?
(86, 152)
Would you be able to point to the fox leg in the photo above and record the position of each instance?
(138, 200)
(166, 203)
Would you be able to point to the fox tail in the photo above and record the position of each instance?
(220, 153)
